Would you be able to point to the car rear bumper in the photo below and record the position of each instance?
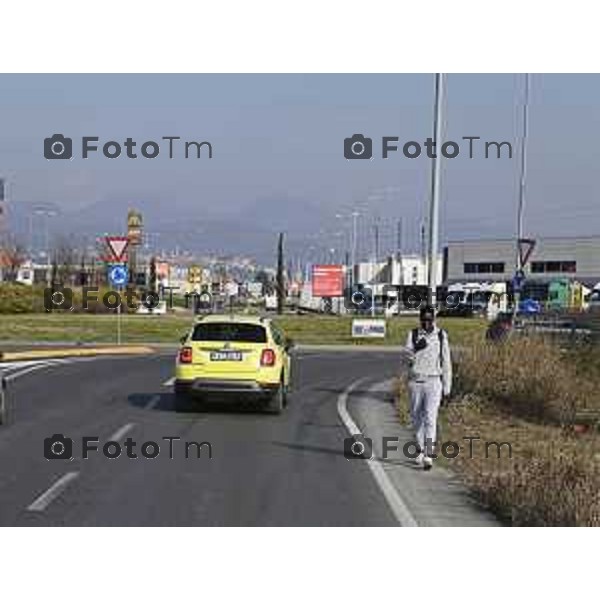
(223, 387)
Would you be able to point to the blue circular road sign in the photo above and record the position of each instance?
(118, 275)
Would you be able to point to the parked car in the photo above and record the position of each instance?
(529, 306)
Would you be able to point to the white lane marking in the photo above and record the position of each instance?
(11, 366)
(16, 369)
(52, 492)
(169, 382)
(391, 494)
(120, 433)
(14, 375)
(153, 402)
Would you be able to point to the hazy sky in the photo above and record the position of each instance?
(278, 150)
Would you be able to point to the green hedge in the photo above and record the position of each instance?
(18, 299)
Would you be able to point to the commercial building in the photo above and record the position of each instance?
(573, 258)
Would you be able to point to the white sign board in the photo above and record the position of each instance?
(159, 309)
(368, 328)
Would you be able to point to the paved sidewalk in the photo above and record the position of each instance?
(434, 498)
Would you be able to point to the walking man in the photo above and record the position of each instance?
(430, 378)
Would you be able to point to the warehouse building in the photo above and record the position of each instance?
(574, 258)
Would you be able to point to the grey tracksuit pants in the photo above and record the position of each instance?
(425, 398)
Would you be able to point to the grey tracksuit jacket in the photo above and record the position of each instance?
(425, 363)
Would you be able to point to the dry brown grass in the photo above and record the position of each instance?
(530, 394)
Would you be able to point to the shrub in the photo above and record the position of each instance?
(528, 376)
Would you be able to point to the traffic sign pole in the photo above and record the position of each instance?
(118, 276)
(119, 324)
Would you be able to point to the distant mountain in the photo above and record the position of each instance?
(251, 232)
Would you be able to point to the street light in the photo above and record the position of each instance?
(521, 202)
(434, 204)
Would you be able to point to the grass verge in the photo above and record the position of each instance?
(307, 329)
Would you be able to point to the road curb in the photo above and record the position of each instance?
(74, 352)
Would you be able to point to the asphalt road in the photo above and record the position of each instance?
(286, 469)
(260, 469)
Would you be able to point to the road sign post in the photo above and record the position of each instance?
(119, 324)
(118, 274)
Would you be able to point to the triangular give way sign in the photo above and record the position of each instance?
(117, 246)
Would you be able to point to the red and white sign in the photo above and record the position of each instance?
(117, 246)
(328, 281)
(526, 247)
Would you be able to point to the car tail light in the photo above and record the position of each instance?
(185, 355)
(267, 358)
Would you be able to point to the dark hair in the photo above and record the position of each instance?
(427, 311)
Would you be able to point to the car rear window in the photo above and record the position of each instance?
(229, 332)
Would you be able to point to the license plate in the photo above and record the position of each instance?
(225, 355)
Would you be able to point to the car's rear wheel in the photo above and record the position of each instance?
(278, 399)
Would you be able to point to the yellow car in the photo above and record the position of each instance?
(234, 356)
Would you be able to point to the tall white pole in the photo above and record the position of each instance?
(522, 178)
(434, 204)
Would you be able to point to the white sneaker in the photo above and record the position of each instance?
(419, 460)
(427, 463)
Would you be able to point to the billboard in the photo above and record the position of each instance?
(328, 281)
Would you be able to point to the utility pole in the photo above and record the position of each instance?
(376, 241)
(521, 202)
(355, 215)
(399, 251)
(434, 204)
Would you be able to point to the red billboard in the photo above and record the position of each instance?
(328, 281)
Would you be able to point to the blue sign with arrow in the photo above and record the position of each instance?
(118, 275)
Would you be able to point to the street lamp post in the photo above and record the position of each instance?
(521, 200)
(434, 205)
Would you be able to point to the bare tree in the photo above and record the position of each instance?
(64, 262)
(12, 256)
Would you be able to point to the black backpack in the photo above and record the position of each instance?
(441, 334)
